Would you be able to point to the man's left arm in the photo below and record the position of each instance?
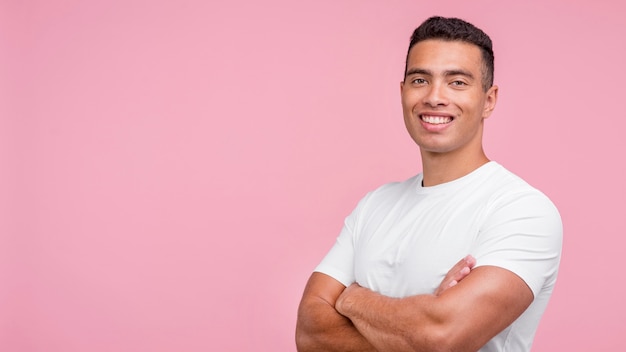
(518, 251)
(463, 318)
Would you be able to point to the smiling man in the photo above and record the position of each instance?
(393, 280)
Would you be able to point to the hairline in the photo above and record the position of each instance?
(484, 69)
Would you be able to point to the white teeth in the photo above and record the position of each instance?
(436, 120)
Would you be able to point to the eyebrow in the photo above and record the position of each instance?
(456, 72)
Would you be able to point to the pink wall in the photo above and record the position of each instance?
(172, 171)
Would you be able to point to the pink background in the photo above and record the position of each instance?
(172, 171)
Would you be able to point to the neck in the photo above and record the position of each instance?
(440, 168)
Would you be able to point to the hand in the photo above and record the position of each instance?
(458, 272)
(341, 305)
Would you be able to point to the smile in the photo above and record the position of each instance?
(436, 120)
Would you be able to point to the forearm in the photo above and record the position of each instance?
(406, 324)
(321, 328)
(463, 318)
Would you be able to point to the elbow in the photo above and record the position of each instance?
(306, 338)
(307, 341)
(302, 341)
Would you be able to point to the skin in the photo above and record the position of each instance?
(320, 327)
(443, 81)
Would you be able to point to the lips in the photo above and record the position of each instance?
(436, 119)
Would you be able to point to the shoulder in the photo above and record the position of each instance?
(522, 231)
(393, 191)
(513, 206)
(508, 187)
(384, 197)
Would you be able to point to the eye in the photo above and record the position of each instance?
(458, 83)
(419, 81)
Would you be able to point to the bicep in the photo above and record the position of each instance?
(323, 287)
(482, 305)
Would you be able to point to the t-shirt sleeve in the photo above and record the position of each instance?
(523, 234)
(339, 262)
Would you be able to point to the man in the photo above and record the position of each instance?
(390, 283)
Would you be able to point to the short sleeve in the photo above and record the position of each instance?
(339, 262)
(523, 234)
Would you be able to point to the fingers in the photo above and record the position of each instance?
(470, 260)
(461, 273)
(463, 267)
(457, 273)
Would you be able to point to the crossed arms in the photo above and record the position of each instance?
(469, 307)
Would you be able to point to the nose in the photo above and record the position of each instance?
(436, 95)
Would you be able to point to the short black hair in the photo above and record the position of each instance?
(455, 29)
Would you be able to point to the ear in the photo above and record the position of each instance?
(490, 101)
(401, 87)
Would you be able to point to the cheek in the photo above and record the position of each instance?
(406, 108)
(471, 102)
(409, 102)
(471, 105)
(404, 101)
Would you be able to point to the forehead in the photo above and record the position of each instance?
(436, 54)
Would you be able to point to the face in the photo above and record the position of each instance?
(443, 99)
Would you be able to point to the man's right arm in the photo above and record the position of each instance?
(320, 327)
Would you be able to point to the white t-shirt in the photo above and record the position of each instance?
(403, 238)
